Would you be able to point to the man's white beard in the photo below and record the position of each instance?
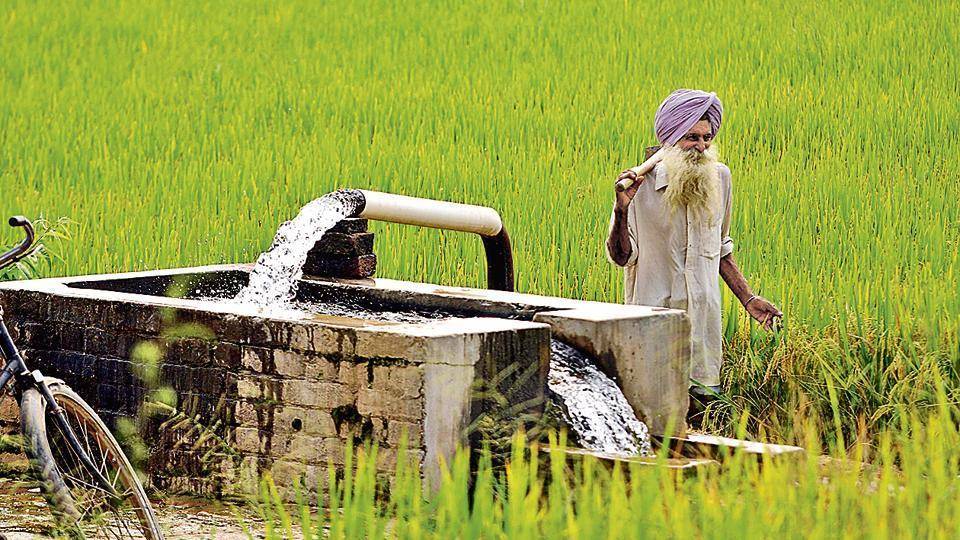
(694, 180)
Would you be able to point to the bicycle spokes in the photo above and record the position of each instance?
(99, 507)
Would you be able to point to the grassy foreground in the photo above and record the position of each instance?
(176, 133)
(909, 491)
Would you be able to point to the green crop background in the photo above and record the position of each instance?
(184, 133)
(177, 133)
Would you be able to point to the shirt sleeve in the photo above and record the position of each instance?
(632, 260)
(726, 243)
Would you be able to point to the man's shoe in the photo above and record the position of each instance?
(706, 392)
(700, 398)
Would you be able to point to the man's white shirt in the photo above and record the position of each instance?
(675, 262)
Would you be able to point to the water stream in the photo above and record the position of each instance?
(596, 409)
(273, 280)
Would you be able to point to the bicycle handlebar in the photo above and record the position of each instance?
(18, 221)
(23, 249)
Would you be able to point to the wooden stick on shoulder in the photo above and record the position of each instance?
(641, 170)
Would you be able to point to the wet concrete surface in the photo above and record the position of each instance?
(24, 514)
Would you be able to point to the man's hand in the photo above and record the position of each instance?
(765, 313)
(624, 197)
(618, 242)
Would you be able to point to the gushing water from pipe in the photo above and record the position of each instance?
(274, 279)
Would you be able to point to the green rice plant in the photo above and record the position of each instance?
(182, 134)
(903, 485)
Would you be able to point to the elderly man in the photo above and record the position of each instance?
(670, 231)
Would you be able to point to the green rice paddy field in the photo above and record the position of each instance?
(183, 133)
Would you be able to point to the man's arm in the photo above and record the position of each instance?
(618, 241)
(757, 306)
(734, 279)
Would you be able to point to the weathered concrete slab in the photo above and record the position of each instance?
(701, 445)
(680, 464)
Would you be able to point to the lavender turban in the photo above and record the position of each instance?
(684, 108)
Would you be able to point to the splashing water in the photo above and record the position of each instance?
(274, 279)
(596, 409)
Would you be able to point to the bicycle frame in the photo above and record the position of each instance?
(16, 367)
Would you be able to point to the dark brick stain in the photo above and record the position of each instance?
(351, 425)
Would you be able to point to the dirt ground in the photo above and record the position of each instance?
(24, 514)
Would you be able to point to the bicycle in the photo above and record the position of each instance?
(87, 481)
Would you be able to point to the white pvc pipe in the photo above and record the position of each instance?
(430, 213)
(642, 169)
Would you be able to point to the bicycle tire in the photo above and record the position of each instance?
(72, 501)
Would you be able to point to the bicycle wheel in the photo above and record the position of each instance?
(77, 501)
